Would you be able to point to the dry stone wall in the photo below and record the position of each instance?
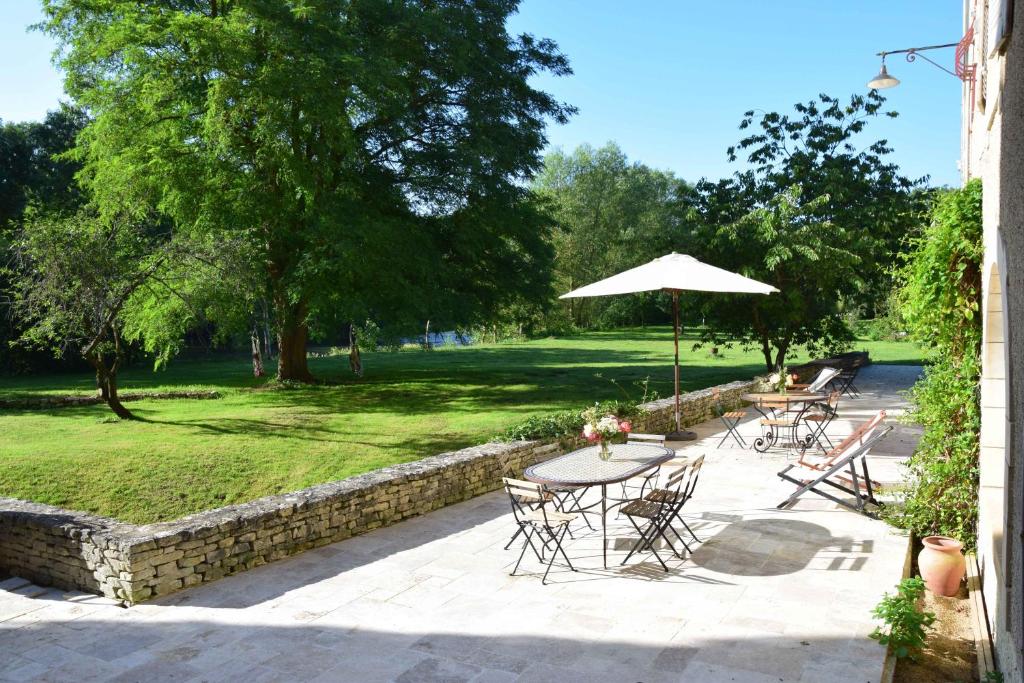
(132, 563)
(48, 402)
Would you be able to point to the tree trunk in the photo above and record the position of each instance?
(107, 380)
(257, 357)
(766, 349)
(114, 402)
(101, 386)
(780, 356)
(426, 337)
(292, 335)
(355, 362)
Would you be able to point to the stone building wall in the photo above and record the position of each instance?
(133, 563)
(992, 149)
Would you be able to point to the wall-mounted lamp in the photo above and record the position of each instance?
(962, 70)
(883, 80)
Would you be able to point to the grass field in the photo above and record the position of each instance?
(185, 456)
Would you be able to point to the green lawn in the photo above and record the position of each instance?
(186, 456)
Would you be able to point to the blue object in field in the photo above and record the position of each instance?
(450, 338)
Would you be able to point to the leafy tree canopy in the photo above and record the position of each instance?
(76, 274)
(32, 168)
(817, 214)
(372, 156)
(610, 215)
(823, 148)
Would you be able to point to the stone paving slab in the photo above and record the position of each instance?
(767, 596)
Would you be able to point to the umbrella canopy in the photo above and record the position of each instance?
(673, 273)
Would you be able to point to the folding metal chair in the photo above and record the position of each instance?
(638, 486)
(508, 471)
(561, 497)
(819, 417)
(838, 470)
(659, 513)
(664, 496)
(548, 527)
(730, 418)
(844, 379)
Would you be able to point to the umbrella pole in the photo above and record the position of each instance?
(678, 434)
(675, 334)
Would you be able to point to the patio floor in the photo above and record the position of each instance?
(768, 596)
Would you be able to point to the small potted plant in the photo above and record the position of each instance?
(601, 428)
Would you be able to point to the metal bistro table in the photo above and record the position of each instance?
(585, 468)
(771, 404)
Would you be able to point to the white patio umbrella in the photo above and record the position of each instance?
(673, 273)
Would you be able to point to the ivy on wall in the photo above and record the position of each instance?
(939, 297)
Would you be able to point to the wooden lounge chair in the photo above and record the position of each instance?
(838, 469)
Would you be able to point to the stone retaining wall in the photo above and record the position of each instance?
(47, 402)
(132, 563)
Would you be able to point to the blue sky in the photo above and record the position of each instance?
(670, 79)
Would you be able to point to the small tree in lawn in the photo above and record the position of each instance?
(820, 213)
(75, 277)
(810, 260)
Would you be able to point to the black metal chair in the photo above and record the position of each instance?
(565, 498)
(730, 418)
(662, 495)
(637, 487)
(658, 508)
(536, 522)
(819, 417)
(844, 380)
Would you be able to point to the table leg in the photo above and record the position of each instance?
(766, 440)
(604, 523)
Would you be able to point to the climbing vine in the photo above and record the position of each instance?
(939, 296)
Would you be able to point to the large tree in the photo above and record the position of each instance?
(372, 155)
(33, 172)
(825, 147)
(611, 214)
(812, 263)
(32, 168)
(820, 212)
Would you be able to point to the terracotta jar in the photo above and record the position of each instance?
(942, 565)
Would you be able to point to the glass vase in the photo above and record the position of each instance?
(605, 453)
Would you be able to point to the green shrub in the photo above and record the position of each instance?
(940, 301)
(904, 622)
(564, 423)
